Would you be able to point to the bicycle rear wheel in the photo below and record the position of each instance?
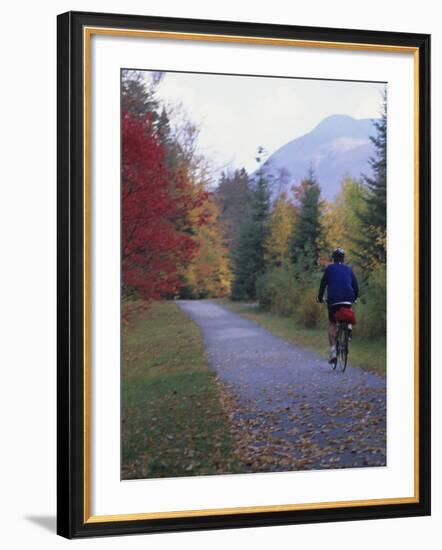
(342, 347)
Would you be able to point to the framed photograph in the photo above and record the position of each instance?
(243, 274)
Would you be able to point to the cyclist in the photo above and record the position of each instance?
(342, 290)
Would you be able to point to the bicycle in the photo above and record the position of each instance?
(344, 331)
(345, 319)
(342, 345)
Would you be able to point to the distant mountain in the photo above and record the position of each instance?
(337, 146)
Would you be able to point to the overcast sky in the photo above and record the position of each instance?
(236, 114)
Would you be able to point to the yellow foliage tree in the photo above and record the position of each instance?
(341, 223)
(277, 245)
(209, 274)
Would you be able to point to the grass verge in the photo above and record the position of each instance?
(366, 354)
(172, 420)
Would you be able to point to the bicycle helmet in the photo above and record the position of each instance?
(338, 255)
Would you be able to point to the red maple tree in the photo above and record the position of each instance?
(157, 204)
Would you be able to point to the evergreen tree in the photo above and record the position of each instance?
(138, 94)
(371, 246)
(249, 261)
(163, 127)
(307, 230)
(168, 140)
(233, 196)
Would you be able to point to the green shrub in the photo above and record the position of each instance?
(281, 291)
(309, 313)
(286, 293)
(276, 291)
(371, 311)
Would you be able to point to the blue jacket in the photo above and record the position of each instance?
(341, 284)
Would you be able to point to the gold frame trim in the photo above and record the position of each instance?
(87, 33)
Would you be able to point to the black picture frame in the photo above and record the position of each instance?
(72, 518)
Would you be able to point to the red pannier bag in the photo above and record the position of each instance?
(346, 314)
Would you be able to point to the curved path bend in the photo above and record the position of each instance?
(288, 409)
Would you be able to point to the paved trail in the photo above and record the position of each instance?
(288, 408)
